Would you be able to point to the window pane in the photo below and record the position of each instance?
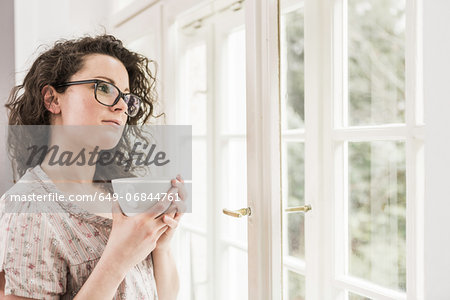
(234, 187)
(295, 235)
(293, 183)
(293, 173)
(236, 276)
(376, 61)
(194, 87)
(195, 270)
(198, 216)
(292, 69)
(377, 212)
(295, 286)
(234, 105)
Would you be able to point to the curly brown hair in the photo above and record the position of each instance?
(54, 67)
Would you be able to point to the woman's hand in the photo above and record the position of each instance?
(133, 238)
(172, 218)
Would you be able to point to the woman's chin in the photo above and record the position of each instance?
(107, 141)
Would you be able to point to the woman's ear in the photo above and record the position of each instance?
(50, 99)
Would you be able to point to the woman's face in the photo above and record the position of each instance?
(78, 106)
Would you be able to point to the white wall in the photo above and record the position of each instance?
(27, 24)
(41, 22)
(436, 54)
(6, 82)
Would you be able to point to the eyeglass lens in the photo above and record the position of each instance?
(107, 93)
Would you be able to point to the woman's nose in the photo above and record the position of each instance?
(120, 105)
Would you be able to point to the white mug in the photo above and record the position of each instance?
(140, 194)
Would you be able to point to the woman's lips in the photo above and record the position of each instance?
(112, 122)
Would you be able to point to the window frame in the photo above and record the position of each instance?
(334, 74)
(212, 29)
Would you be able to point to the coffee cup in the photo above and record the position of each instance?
(139, 194)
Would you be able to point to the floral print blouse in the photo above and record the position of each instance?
(49, 249)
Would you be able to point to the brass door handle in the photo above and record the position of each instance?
(304, 208)
(238, 213)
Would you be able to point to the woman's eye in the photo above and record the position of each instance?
(104, 88)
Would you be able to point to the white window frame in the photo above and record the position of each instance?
(216, 245)
(185, 229)
(436, 63)
(264, 225)
(325, 109)
(263, 148)
(332, 75)
(289, 263)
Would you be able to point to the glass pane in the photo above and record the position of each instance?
(295, 235)
(236, 275)
(234, 105)
(295, 286)
(234, 187)
(376, 61)
(293, 183)
(293, 173)
(352, 296)
(195, 270)
(194, 87)
(292, 68)
(377, 212)
(198, 216)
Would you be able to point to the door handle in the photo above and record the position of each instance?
(304, 208)
(238, 213)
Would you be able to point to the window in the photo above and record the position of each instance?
(293, 147)
(211, 81)
(351, 145)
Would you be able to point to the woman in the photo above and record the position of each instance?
(49, 253)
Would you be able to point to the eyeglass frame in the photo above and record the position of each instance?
(97, 81)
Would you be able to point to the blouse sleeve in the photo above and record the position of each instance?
(31, 256)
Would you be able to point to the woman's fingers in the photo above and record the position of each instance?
(156, 209)
(116, 210)
(161, 231)
(182, 191)
(157, 223)
(183, 195)
(173, 213)
(171, 222)
(178, 216)
(180, 178)
(181, 207)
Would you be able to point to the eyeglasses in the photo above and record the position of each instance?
(108, 94)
